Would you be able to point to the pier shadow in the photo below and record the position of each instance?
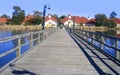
(94, 64)
(20, 71)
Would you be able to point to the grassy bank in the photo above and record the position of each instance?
(33, 27)
(92, 28)
(20, 27)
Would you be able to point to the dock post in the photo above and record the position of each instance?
(19, 47)
(117, 53)
(101, 42)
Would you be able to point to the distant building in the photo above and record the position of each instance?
(4, 20)
(27, 18)
(117, 21)
(50, 21)
(68, 21)
(91, 22)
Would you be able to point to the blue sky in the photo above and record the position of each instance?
(63, 7)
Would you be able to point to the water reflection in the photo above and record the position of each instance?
(111, 32)
(108, 40)
(5, 46)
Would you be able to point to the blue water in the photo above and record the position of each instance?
(5, 46)
(106, 49)
(4, 34)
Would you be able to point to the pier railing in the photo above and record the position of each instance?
(21, 44)
(108, 45)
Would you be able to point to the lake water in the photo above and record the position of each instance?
(4, 47)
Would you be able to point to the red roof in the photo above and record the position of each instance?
(117, 20)
(64, 20)
(92, 20)
(78, 19)
(27, 18)
(52, 18)
(4, 20)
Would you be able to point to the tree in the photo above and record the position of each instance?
(16, 8)
(113, 15)
(62, 17)
(35, 21)
(110, 24)
(37, 13)
(5, 16)
(100, 19)
(55, 15)
(18, 15)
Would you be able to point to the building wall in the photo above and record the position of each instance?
(50, 23)
(118, 25)
(68, 23)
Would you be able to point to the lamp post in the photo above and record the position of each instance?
(43, 19)
(73, 22)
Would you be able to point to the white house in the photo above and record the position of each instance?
(50, 21)
(68, 21)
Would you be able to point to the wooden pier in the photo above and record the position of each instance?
(59, 54)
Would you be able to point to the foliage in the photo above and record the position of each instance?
(5, 16)
(34, 21)
(55, 15)
(16, 8)
(113, 14)
(100, 19)
(111, 32)
(81, 24)
(62, 17)
(110, 24)
(37, 13)
(18, 15)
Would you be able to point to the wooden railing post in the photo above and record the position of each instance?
(82, 35)
(101, 43)
(19, 47)
(39, 37)
(93, 37)
(31, 40)
(117, 53)
(87, 36)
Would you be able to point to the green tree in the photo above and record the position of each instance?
(37, 13)
(113, 14)
(16, 8)
(110, 24)
(37, 18)
(62, 17)
(81, 24)
(18, 15)
(100, 19)
(35, 21)
(55, 15)
(5, 16)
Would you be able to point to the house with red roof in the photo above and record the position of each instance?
(117, 21)
(91, 22)
(68, 21)
(3, 20)
(27, 18)
(50, 21)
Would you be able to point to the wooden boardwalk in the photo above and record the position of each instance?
(60, 55)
